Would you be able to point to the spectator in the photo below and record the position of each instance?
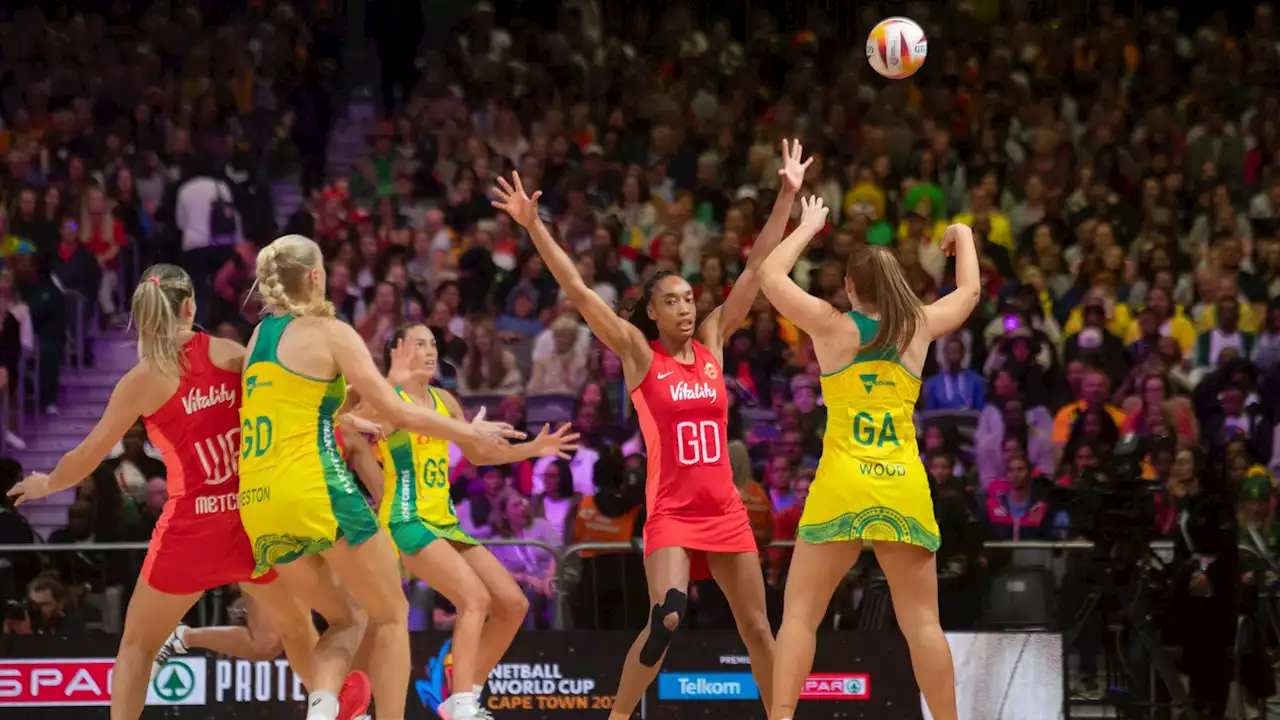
(206, 215)
(17, 341)
(565, 372)
(533, 569)
(104, 236)
(1266, 348)
(382, 317)
(16, 569)
(1170, 319)
(519, 323)
(1019, 509)
(488, 368)
(556, 503)
(955, 388)
(991, 452)
(1092, 392)
(50, 610)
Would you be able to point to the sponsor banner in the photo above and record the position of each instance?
(707, 674)
(836, 686)
(855, 676)
(86, 682)
(707, 686)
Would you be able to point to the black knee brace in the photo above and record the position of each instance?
(659, 635)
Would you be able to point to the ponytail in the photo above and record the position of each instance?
(157, 314)
(879, 282)
(281, 272)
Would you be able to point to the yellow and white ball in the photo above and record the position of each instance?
(896, 48)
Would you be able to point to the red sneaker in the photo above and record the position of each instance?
(354, 697)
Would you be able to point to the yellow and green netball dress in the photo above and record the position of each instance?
(416, 506)
(870, 483)
(297, 496)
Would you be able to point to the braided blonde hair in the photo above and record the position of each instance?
(282, 272)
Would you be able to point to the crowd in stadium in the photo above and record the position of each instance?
(1121, 175)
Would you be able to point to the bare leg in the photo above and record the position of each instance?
(913, 584)
(235, 641)
(371, 573)
(152, 615)
(741, 579)
(507, 611)
(815, 572)
(666, 570)
(440, 565)
(278, 621)
(311, 578)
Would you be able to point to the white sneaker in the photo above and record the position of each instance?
(175, 645)
(446, 711)
(12, 440)
(52, 410)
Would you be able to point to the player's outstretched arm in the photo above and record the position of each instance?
(137, 393)
(946, 314)
(811, 314)
(736, 307)
(352, 358)
(561, 443)
(617, 334)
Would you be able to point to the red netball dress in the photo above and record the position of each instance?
(690, 496)
(199, 542)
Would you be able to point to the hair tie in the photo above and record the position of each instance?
(154, 280)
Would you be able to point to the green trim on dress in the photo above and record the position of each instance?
(874, 523)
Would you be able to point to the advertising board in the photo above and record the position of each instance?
(856, 676)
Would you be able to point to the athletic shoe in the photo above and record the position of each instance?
(447, 712)
(175, 645)
(354, 697)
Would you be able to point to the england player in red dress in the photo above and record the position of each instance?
(186, 390)
(673, 368)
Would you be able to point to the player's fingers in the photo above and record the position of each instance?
(519, 184)
(536, 194)
(805, 165)
(502, 182)
(479, 416)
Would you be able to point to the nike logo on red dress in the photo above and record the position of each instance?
(665, 375)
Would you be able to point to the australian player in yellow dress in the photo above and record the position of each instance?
(415, 507)
(298, 501)
(870, 485)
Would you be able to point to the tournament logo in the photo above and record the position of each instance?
(439, 681)
(710, 371)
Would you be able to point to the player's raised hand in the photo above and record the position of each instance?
(793, 170)
(813, 213)
(953, 234)
(401, 370)
(562, 443)
(513, 200)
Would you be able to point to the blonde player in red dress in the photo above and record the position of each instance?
(186, 388)
(673, 369)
